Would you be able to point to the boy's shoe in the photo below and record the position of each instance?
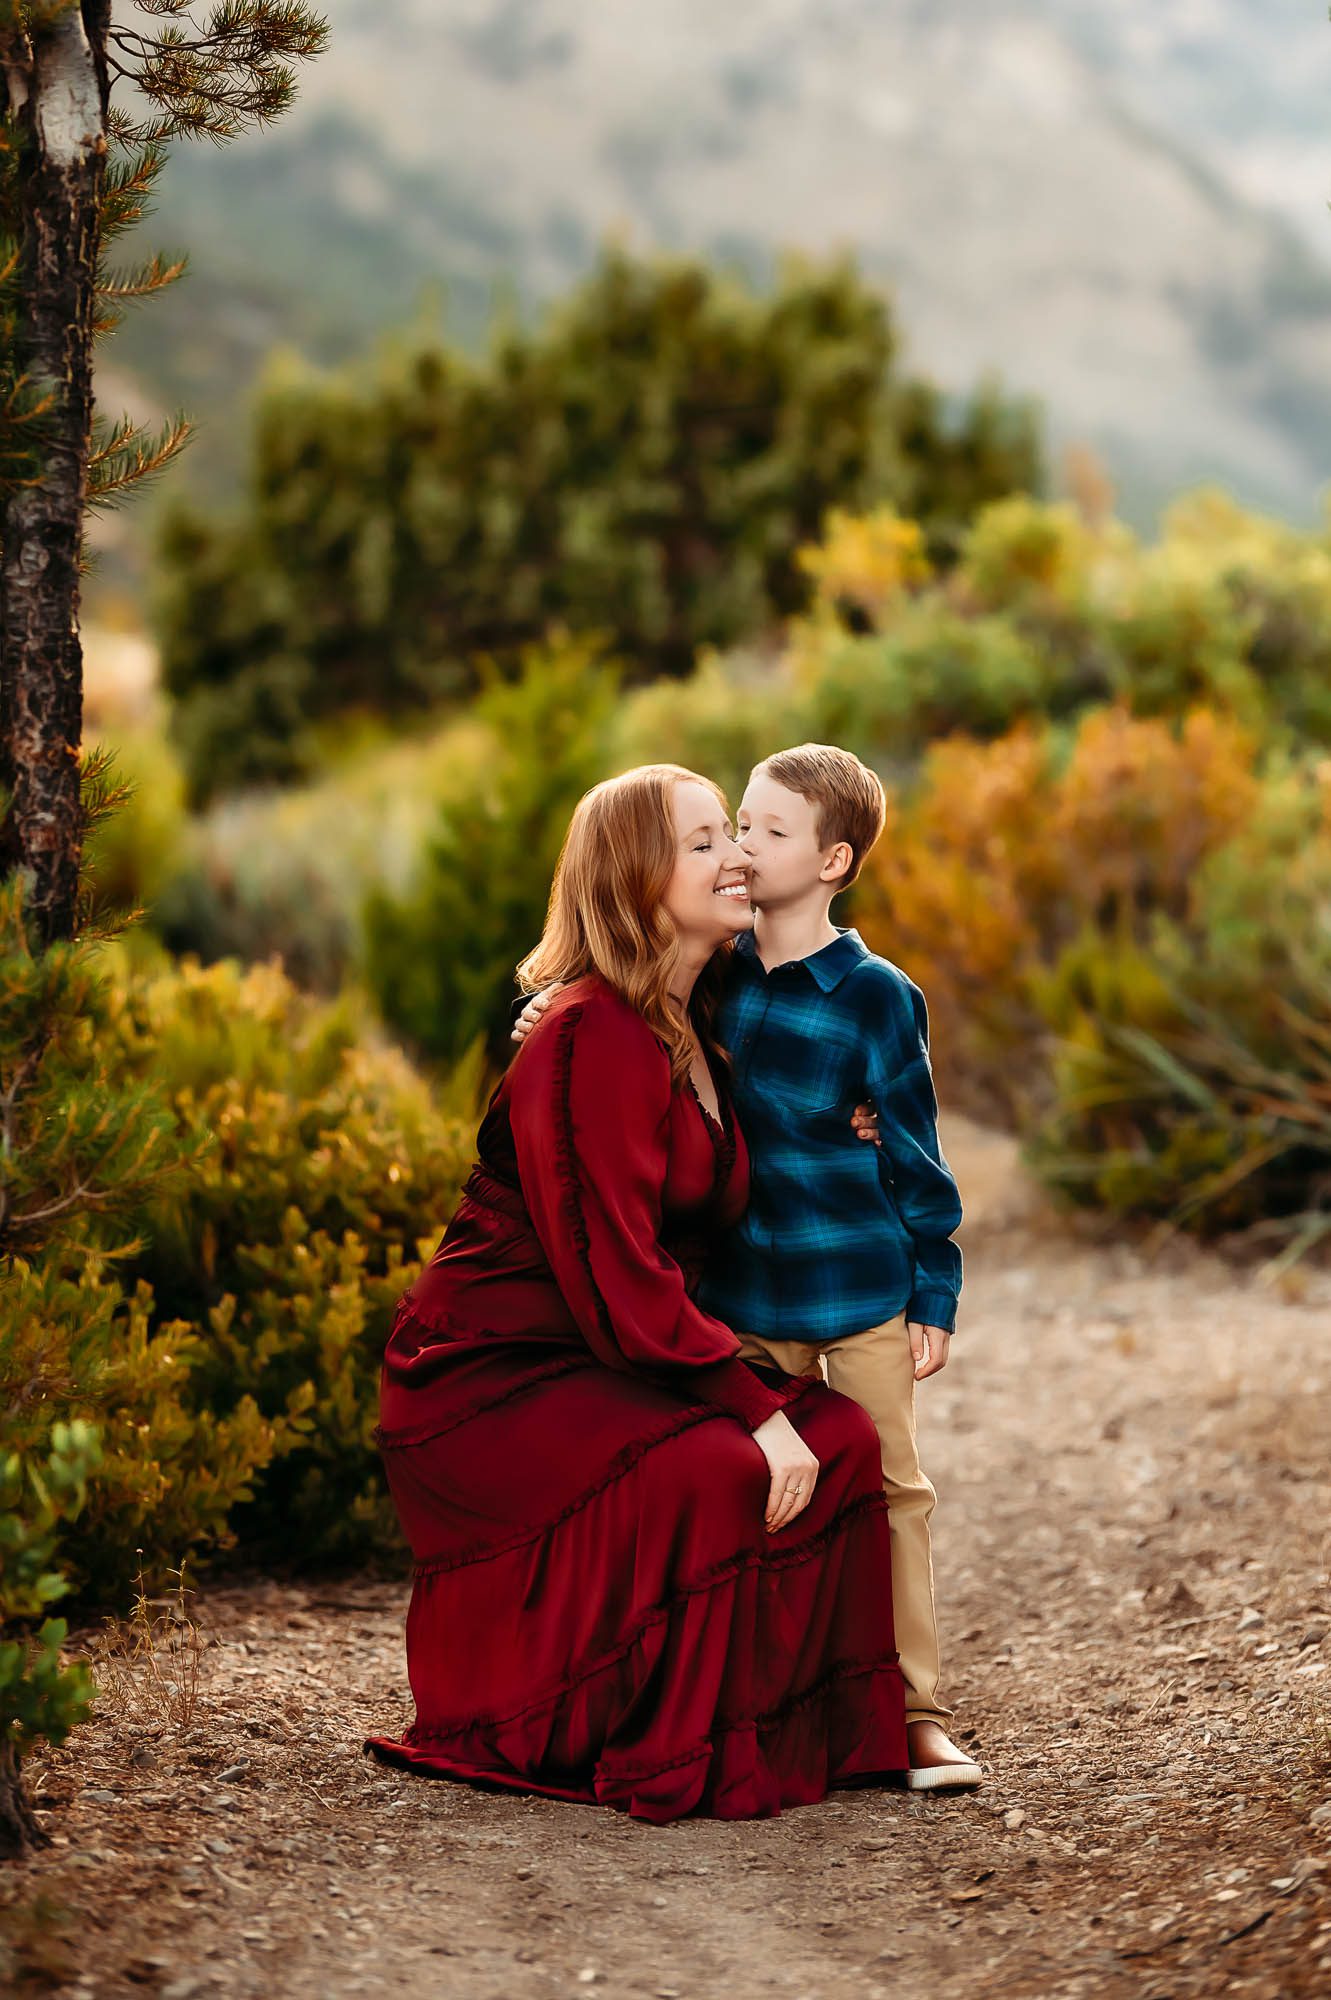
(944, 1768)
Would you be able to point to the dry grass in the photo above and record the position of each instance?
(1314, 1723)
(150, 1664)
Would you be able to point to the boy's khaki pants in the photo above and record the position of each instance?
(876, 1370)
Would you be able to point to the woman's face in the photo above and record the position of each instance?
(708, 893)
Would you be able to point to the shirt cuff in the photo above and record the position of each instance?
(933, 1309)
(733, 1386)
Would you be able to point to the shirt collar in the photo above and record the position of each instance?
(828, 967)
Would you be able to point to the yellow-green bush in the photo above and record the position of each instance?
(136, 851)
(733, 709)
(75, 1343)
(328, 1170)
(1226, 608)
(263, 1176)
(88, 1148)
(440, 958)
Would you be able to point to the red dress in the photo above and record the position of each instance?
(598, 1612)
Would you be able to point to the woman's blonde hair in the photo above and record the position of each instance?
(606, 913)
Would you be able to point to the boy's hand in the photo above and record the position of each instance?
(864, 1123)
(928, 1346)
(532, 1012)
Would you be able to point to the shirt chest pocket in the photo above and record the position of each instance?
(822, 1087)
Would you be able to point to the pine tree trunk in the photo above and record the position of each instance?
(19, 1830)
(57, 93)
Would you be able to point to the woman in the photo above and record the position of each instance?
(644, 1574)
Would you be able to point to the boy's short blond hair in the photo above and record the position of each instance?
(849, 796)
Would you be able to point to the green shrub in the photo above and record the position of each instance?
(257, 1179)
(137, 850)
(440, 959)
(76, 1343)
(643, 468)
(1178, 639)
(731, 711)
(888, 695)
(330, 1171)
(1227, 608)
(41, 1698)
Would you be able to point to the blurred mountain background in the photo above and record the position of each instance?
(1121, 210)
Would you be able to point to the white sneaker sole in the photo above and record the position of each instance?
(944, 1778)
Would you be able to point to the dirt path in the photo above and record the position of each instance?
(1133, 1551)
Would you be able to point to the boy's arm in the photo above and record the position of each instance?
(902, 1085)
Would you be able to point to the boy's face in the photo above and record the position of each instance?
(778, 831)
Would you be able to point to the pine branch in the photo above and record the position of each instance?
(215, 78)
(129, 132)
(129, 185)
(129, 456)
(103, 790)
(154, 276)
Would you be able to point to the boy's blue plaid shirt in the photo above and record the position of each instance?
(839, 1234)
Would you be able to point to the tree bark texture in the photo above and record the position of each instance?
(57, 94)
(20, 1830)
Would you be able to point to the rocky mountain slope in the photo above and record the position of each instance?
(1059, 191)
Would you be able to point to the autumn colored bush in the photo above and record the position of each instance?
(1006, 853)
(1126, 948)
(1191, 1079)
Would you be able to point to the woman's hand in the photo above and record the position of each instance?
(532, 1012)
(793, 1467)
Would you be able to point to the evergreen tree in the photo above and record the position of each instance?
(643, 466)
(76, 171)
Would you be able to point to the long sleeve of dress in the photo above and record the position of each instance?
(901, 1081)
(589, 1111)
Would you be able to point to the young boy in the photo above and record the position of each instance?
(844, 1256)
(843, 1260)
